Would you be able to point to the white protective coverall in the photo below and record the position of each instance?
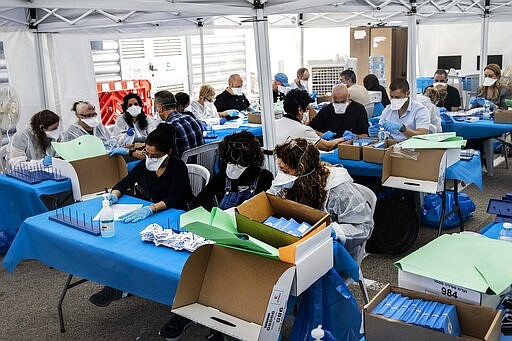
(75, 130)
(24, 149)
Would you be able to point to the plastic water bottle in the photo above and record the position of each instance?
(486, 115)
(506, 232)
(107, 220)
(318, 333)
(126, 138)
(382, 134)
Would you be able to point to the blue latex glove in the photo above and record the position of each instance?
(348, 135)
(112, 198)
(204, 125)
(390, 125)
(328, 135)
(47, 160)
(313, 95)
(373, 130)
(137, 215)
(233, 113)
(119, 151)
(477, 101)
(222, 120)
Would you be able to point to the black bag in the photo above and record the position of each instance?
(396, 226)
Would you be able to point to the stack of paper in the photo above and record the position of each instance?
(434, 141)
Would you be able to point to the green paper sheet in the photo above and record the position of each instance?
(80, 148)
(217, 218)
(474, 262)
(438, 137)
(449, 143)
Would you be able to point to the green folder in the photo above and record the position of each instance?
(220, 227)
(434, 141)
(82, 147)
(473, 262)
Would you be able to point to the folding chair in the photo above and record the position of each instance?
(205, 155)
(199, 177)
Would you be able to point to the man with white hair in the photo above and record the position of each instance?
(341, 115)
(89, 123)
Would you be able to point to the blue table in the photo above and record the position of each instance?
(221, 133)
(476, 130)
(20, 200)
(124, 262)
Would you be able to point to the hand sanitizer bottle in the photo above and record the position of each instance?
(317, 333)
(107, 220)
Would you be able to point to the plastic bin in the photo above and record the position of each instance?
(422, 83)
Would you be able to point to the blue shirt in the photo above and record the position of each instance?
(415, 117)
(189, 133)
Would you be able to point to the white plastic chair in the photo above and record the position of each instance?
(206, 155)
(198, 176)
(369, 109)
(371, 198)
(3, 158)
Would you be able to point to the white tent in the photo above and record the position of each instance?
(45, 40)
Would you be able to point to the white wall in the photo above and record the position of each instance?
(460, 39)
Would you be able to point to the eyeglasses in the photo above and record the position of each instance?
(440, 80)
(89, 115)
(208, 99)
(152, 156)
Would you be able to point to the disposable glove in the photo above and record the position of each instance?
(204, 125)
(233, 113)
(477, 101)
(222, 120)
(112, 198)
(119, 151)
(390, 125)
(348, 135)
(137, 215)
(373, 130)
(328, 135)
(47, 160)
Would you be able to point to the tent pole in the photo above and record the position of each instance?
(412, 45)
(40, 65)
(260, 26)
(484, 40)
(201, 42)
(301, 27)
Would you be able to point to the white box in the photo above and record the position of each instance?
(452, 156)
(375, 96)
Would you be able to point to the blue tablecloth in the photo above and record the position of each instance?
(20, 200)
(124, 261)
(478, 129)
(221, 133)
(467, 171)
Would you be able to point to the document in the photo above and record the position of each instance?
(82, 147)
(120, 209)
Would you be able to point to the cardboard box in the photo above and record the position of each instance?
(452, 156)
(253, 118)
(477, 323)
(92, 175)
(376, 155)
(312, 254)
(503, 116)
(426, 174)
(235, 292)
(436, 287)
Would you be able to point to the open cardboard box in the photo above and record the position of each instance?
(92, 175)
(254, 118)
(347, 150)
(376, 155)
(476, 322)
(312, 254)
(235, 292)
(503, 116)
(426, 174)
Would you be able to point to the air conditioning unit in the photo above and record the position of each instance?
(326, 73)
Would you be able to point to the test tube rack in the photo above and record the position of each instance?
(34, 174)
(72, 220)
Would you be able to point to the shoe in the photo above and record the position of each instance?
(174, 328)
(215, 336)
(105, 296)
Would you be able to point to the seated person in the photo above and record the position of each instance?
(404, 117)
(232, 98)
(452, 100)
(280, 86)
(203, 109)
(430, 99)
(32, 145)
(371, 83)
(302, 80)
(162, 179)
(357, 92)
(133, 117)
(244, 175)
(492, 89)
(295, 104)
(303, 178)
(88, 124)
(183, 103)
(340, 116)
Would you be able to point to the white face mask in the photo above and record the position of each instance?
(397, 103)
(340, 108)
(304, 83)
(210, 108)
(237, 91)
(488, 81)
(52, 134)
(234, 171)
(283, 180)
(91, 121)
(152, 164)
(134, 110)
(282, 89)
